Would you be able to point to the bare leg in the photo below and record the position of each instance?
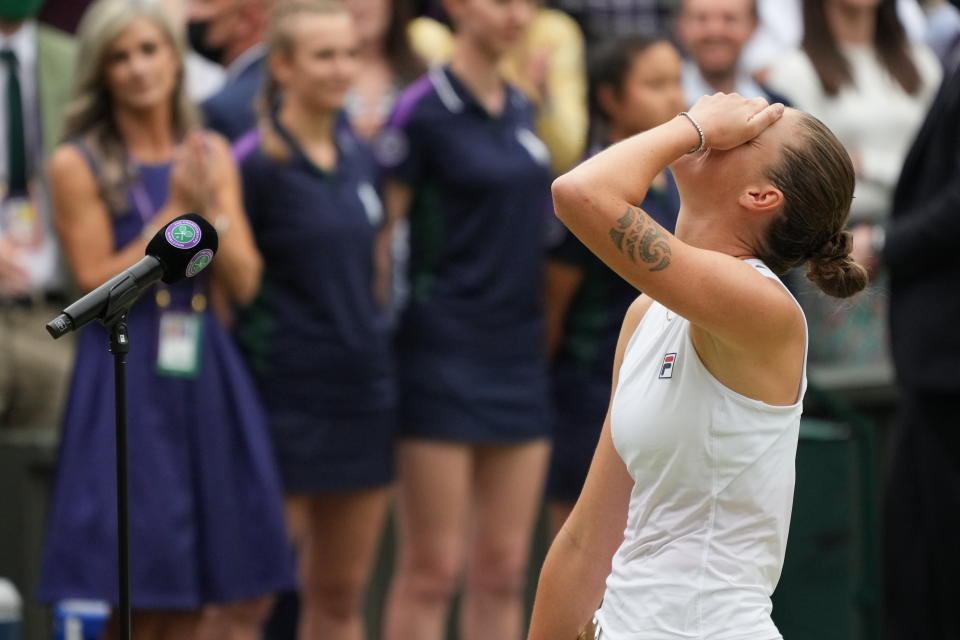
(338, 544)
(236, 620)
(433, 521)
(508, 489)
(156, 625)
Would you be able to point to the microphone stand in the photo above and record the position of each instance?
(119, 347)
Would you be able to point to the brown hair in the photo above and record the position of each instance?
(404, 62)
(816, 177)
(889, 42)
(280, 41)
(608, 66)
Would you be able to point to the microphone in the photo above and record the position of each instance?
(183, 248)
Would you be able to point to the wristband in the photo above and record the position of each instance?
(703, 140)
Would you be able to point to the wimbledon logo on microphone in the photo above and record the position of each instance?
(183, 234)
(199, 262)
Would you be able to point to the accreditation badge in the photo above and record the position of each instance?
(178, 350)
(20, 221)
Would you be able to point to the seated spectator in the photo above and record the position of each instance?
(547, 65)
(780, 31)
(714, 33)
(34, 91)
(861, 76)
(230, 33)
(634, 86)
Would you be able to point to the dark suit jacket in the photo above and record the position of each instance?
(923, 251)
(231, 111)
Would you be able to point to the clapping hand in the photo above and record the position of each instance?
(14, 279)
(197, 173)
(729, 120)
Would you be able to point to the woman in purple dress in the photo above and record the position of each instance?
(208, 543)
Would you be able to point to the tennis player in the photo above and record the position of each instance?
(681, 528)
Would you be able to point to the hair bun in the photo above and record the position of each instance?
(832, 269)
(837, 247)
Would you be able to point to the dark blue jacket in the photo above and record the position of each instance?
(231, 111)
(921, 251)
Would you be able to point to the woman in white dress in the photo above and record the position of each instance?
(685, 511)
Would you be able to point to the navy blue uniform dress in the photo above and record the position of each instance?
(471, 360)
(206, 518)
(316, 339)
(583, 363)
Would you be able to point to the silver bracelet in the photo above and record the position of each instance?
(703, 140)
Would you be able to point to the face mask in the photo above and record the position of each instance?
(197, 36)
(17, 10)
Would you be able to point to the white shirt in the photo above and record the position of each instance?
(780, 29)
(695, 86)
(709, 512)
(42, 261)
(23, 43)
(875, 119)
(204, 78)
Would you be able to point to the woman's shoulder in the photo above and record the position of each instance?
(74, 161)
(794, 77)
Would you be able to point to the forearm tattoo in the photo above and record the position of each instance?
(638, 236)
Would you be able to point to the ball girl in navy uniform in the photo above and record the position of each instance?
(471, 176)
(635, 85)
(316, 338)
(208, 543)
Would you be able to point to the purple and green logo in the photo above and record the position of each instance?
(183, 234)
(199, 262)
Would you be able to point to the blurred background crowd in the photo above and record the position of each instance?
(396, 335)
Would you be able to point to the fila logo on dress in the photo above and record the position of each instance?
(666, 368)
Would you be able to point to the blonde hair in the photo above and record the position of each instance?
(89, 116)
(280, 41)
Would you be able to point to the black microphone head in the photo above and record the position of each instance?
(184, 247)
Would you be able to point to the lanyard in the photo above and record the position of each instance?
(146, 210)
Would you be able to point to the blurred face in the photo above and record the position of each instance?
(323, 63)
(715, 32)
(652, 92)
(371, 17)
(221, 20)
(495, 26)
(724, 175)
(852, 4)
(141, 66)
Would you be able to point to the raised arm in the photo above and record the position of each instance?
(576, 567)
(238, 265)
(83, 221)
(715, 291)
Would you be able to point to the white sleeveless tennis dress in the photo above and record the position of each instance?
(710, 508)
